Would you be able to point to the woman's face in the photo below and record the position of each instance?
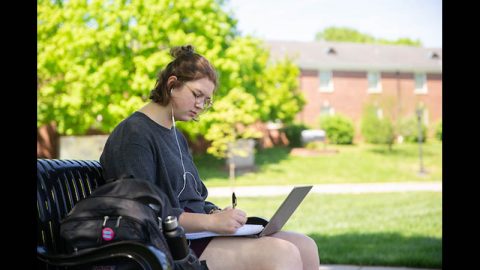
(191, 98)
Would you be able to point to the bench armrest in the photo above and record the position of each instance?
(148, 257)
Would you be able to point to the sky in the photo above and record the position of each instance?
(300, 20)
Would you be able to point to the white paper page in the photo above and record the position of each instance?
(247, 229)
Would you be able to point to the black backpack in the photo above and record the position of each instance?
(124, 209)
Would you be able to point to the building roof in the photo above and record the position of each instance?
(322, 55)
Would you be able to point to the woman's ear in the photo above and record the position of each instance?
(171, 81)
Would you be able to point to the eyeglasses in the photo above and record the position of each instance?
(207, 102)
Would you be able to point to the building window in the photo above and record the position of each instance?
(421, 83)
(326, 82)
(326, 109)
(374, 83)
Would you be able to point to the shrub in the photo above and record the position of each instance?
(376, 130)
(438, 131)
(408, 128)
(314, 145)
(339, 129)
(293, 133)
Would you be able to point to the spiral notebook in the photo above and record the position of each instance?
(281, 216)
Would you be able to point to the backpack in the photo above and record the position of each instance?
(124, 209)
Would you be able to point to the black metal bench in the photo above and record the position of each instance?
(60, 185)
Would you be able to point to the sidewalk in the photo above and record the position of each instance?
(255, 191)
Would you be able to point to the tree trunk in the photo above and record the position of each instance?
(48, 141)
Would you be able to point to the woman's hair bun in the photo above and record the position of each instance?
(180, 51)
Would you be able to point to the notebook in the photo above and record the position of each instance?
(281, 216)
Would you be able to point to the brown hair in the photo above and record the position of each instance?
(187, 66)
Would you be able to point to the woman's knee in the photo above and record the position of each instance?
(309, 243)
(302, 241)
(246, 253)
(307, 246)
(282, 255)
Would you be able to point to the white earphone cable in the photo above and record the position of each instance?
(184, 176)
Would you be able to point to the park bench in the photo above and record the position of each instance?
(60, 185)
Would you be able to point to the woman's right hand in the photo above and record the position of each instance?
(227, 221)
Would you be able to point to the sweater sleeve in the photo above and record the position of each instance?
(209, 206)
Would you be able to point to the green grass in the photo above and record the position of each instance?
(395, 229)
(361, 163)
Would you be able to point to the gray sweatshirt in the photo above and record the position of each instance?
(139, 147)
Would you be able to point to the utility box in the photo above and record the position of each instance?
(242, 154)
(313, 135)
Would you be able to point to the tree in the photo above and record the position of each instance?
(235, 114)
(97, 61)
(253, 89)
(345, 34)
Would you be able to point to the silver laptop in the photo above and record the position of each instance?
(285, 210)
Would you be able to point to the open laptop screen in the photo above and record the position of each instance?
(285, 210)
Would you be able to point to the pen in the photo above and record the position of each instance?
(234, 200)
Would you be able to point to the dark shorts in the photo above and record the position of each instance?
(198, 245)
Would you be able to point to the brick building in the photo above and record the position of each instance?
(340, 78)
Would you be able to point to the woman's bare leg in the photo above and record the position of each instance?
(306, 245)
(252, 253)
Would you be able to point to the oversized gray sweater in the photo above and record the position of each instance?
(139, 147)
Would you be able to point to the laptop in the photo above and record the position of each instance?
(285, 210)
(281, 216)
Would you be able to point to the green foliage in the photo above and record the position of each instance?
(251, 89)
(274, 85)
(293, 132)
(281, 99)
(231, 121)
(376, 130)
(408, 128)
(346, 34)
(315, 145)
(339, 129)
(400, 41)
(438, 131)
(98, 61)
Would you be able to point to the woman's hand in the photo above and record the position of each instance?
(227, 221)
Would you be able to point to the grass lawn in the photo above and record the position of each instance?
(360, 163)
(395, 229)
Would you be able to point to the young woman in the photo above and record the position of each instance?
(147, 145)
